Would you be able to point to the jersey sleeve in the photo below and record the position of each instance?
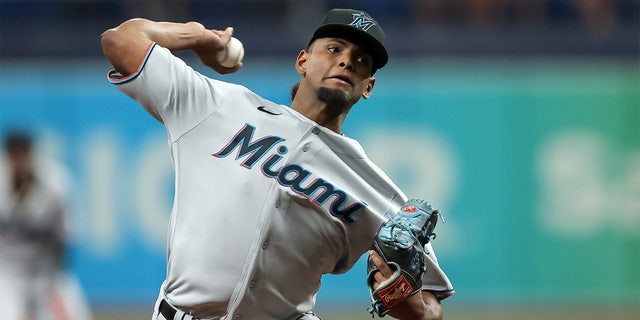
(170, 90)
(434, 279)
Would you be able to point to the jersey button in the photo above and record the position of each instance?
(252, 284)
(278, 203)
(306, 148)
(265, 244)
(236, 317)
(315, 130)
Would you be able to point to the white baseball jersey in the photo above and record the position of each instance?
(31, 232)
(266, 200)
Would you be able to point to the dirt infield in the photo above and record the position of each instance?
(468, 313)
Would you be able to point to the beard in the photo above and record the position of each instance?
(334, 98)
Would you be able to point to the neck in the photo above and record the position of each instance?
(322, 114)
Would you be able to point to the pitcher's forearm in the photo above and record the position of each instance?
(173, 36)
(125, 46)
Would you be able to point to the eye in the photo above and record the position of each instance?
(362, 59)
(333, 49)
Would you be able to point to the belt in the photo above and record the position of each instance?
(167, 311)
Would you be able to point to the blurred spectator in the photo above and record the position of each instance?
(32, 240)
(298, 13)
(174, 10)
(597, 15)
(484, 13)
(574, 27)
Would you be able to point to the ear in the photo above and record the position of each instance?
(367, 91)
(301, 62)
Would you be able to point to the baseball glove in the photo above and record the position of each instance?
(400, 242)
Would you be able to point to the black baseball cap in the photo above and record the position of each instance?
(358, 27)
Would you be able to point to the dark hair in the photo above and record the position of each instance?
(294, 90)
(17, 140)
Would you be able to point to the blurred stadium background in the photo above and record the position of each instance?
(520, 119)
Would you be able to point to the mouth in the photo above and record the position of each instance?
(342, 79)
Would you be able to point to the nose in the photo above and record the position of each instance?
(346, 62)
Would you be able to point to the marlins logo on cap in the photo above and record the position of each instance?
(357, 27)
(362, 21)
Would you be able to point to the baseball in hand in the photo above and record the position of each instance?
(232, 54)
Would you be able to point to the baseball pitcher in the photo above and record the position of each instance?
(268, 197)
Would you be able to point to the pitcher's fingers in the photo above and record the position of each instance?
(225, 34)
(384, 268)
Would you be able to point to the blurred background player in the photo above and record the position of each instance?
(33, 224)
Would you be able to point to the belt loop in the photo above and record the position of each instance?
(180, 315)
(171, 313)
(167, 311)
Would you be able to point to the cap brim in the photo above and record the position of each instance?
(366, 41)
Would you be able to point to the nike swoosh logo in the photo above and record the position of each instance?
(263, 109)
